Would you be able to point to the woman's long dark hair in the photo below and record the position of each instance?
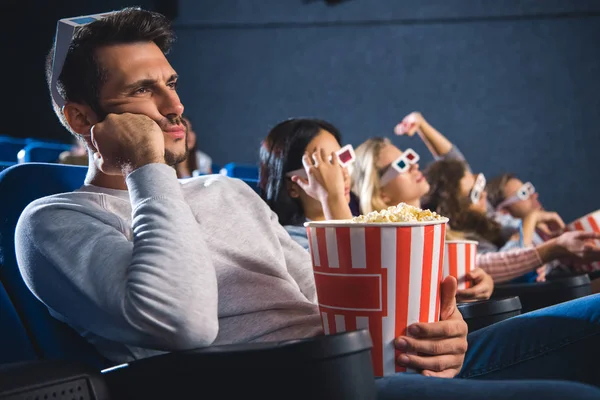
(445, 198)
(280, 153)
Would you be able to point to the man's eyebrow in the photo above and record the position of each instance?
(148, 82)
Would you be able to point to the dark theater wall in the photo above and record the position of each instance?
(514, 84)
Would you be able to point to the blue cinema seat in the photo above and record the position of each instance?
(26, 182)
(242, 171)
(10, 147)
(42, 152)
(15, 345)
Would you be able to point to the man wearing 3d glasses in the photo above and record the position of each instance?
(141, 263)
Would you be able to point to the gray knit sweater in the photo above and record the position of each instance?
(168, 265)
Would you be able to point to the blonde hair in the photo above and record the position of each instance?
(365, 175)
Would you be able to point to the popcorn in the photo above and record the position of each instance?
(400, 213)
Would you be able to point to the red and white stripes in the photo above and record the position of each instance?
(459, 260)
(588, 223)
(383, 278)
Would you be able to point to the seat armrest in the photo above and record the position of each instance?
(50, 379)
(479, 314)
(543, 294)
(324, 367)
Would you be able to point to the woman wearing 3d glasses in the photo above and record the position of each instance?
(303, 174)
(511, 235)
(383, 176)
(509, 195)
(453, 193)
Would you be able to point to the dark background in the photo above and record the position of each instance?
(515, 84)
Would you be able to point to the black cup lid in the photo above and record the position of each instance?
(489, 307)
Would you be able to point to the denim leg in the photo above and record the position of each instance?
(560, 342)
(418, 387)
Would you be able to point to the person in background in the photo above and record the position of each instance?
(78, 154)
(292, 148)
(513, 234)
(197, 162)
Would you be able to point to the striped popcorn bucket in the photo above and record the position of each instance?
(587, 223)
(459, 260)
(377, 276)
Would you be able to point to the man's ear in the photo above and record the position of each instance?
(80, 118)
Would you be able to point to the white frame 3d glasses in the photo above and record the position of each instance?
(65, 29)
(399, 166)
(477, 189)
(346, 156)
(525, 192)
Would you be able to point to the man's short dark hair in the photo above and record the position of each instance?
(82, 75)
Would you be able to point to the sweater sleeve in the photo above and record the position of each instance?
(507, 265)
(158, 290)
(454, 154)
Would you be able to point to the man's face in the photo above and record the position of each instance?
(140, 80)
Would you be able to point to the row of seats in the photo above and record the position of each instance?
(16, 150)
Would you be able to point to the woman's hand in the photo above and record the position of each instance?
(482, 288)
(549, 223)
(326, 183)
(410, 124)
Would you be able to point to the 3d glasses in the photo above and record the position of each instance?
(478, 189)
(345, 155)
(399, 166)
(524, 193)
(65, 28)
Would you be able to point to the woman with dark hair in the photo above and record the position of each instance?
(301, 177)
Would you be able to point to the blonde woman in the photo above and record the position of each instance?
(382, 178)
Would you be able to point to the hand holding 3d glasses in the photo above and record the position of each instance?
(409, 125)
(324, 179)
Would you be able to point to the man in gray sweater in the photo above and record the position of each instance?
(140, 263)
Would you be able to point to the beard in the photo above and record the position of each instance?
(171, 158)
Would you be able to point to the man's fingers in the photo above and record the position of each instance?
(434, 364)
(449, 373)
(407, 344)
(441, 329)
(448, 297)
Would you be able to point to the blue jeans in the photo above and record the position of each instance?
(511, 359)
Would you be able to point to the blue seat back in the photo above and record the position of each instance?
(242, 171)
(25, 183)
(9, 148)
(43, 152)
(6, 164)
(15, 345)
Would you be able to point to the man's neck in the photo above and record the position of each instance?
(98, 178)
